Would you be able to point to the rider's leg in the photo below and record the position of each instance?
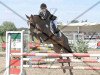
(55, 28)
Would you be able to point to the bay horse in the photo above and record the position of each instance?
(41, 30)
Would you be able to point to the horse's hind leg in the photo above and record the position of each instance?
(67, 48)
(57, 49)
(70, 70)
(64, 70)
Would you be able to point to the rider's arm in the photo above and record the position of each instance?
(46, 16)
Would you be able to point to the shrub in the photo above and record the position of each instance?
(80, 46)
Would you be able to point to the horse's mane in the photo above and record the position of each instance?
(35, 15)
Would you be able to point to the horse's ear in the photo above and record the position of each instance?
(27, 16)
(31, 15)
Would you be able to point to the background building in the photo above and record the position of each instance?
(89, 32)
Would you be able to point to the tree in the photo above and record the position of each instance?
(2, 33)
(1, 30)
(74, 21)
(6, 26)
(9, 26)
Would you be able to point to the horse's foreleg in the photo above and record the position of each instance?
(32, 37)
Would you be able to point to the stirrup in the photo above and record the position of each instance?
(58, 35)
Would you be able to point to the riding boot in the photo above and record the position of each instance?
(58, 34)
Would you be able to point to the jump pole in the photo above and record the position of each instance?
(62, 60)
(57, 54)
(63, 67)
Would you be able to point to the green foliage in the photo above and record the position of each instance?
(80, 47)
(7, 26)
(1, 30)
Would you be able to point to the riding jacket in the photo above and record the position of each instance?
(47, 15)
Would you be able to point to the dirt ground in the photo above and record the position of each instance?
(32, 71)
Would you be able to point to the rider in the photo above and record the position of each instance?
(45, 14)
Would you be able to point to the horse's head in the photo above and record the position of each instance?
(31, 20)
(37, 24)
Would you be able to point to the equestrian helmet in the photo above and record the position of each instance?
(43, 6)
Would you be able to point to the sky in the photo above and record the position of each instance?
(67, 10)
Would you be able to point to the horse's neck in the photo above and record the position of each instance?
(36, 18)
(43, 24)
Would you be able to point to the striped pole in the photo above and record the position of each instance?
(63, 60)
(63, 67)
(44, 51)
(57, 55)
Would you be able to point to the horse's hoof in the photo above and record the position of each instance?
(32, 41)
(64, 70)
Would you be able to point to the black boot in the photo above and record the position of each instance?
(58, 34)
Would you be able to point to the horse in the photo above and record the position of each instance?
(41, 30)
